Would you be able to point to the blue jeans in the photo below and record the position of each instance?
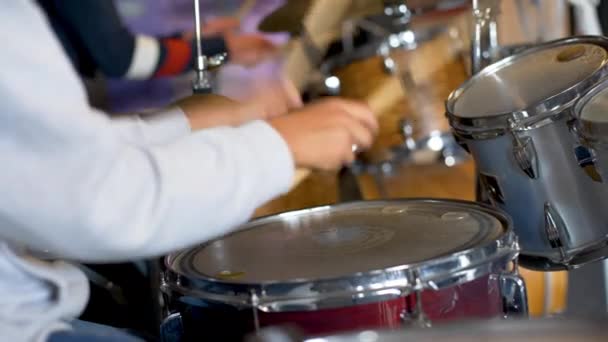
(91, 332)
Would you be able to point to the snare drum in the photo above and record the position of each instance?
(405, 72)
(350, 266)
(514, 117)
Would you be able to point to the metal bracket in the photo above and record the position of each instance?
(202, 83)
(416, 317)
(514, 294)
(460, 141)
(524, 153)
(493, 190)
(554, 224)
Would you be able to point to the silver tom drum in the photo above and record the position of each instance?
(515, 117)
(371, 264)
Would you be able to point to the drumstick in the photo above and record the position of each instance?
(322, 21)
(380, 100)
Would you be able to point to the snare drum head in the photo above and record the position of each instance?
(526, 80)
(342, 240)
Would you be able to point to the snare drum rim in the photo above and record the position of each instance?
(376, 285)
(544, 112)
(590, 131)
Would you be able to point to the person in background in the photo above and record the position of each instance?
(78, 185)
(93, 35)
(96, 40)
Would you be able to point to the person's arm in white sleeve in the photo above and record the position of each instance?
(159, 127)
(74, 185)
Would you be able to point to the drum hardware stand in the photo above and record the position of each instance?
(524, 152)
(202, 83)
(485, 35)
(449, 153)
(171, 328)
(484, 51)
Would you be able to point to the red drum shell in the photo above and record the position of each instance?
(479, 298)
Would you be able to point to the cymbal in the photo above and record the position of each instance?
(289, 17)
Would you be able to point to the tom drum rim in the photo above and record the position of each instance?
(529, 115)
(593, 129)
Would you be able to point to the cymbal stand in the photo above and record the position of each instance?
(203, 65)
(484, 51)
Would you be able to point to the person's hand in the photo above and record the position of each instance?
(249, 49)
(322, 135)
(209, 110)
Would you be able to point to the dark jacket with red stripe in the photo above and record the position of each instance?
(96, 40)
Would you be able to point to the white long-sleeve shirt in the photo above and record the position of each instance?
(87, 188)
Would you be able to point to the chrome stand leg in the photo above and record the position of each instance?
(513, 293)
